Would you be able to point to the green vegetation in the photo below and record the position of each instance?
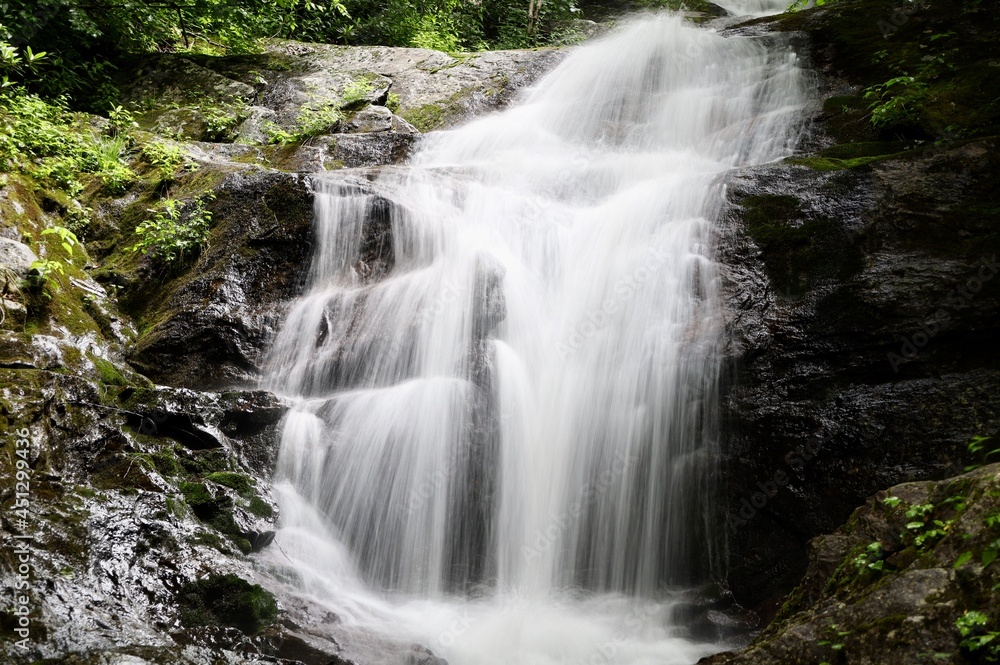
(44, 271)
(81, 43)
(236, 481)
(226, 600)
(175, 232)
(311, 122)
(357, 90)
(163, 156)
(976, 638)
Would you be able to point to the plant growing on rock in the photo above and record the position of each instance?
(310, 123)
(896, 101)
(976, 638)
(165, 157)
(44, 273)
(357, 90)
(175, 232)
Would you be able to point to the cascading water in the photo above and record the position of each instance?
(506, 363)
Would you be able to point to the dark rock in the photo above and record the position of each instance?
(890, 586)
(862, 300)
(859, 365)
(214, 323)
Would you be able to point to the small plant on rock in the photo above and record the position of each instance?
(895, 102)
(975, 636)
(175, 232)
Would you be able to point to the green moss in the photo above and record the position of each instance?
(107, 371)
(205, 462)
(226, 600)
(237, 481)
(426, 118)
(260, 508)
(166, 463)
(797, 250)
(217, 512)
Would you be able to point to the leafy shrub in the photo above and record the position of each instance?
(975, 636)
(164, 156)
(175, 232)
(895, 102)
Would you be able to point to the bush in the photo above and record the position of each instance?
(176, 231)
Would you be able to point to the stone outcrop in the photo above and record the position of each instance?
(910, 578)
(863, 296)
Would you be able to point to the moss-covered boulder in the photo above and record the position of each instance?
(226, 600)
(911, 578)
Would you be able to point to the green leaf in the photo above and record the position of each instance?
(989, 556)
(962, 559)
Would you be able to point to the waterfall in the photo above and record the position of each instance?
(505, 367)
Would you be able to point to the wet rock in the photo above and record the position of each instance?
(890, 585)
(862, 302)
(855, 349)
(365, 150)
(213, 326)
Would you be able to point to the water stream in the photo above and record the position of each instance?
(506, 364)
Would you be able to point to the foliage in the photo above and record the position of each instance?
(896, 101)
(121, 123)
(311, 122)
(113, 172)
(42, 139)
(164, 156)
(220, 123)
(175, 231)
(872, 558)
(16, 62)
(45, 272)
(975, 637)
(982, 448)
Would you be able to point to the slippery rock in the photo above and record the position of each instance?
(890, 585)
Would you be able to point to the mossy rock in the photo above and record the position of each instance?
(236, 481)
(226, 600)
(797, 250)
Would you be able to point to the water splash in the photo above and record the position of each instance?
(506, 363)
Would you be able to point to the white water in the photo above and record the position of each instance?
(503, 449)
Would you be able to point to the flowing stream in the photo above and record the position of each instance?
(506, 363)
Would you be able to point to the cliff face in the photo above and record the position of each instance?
(864, 286)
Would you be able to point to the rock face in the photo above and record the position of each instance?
(210, 328)
(864, 298)
(911, 570)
